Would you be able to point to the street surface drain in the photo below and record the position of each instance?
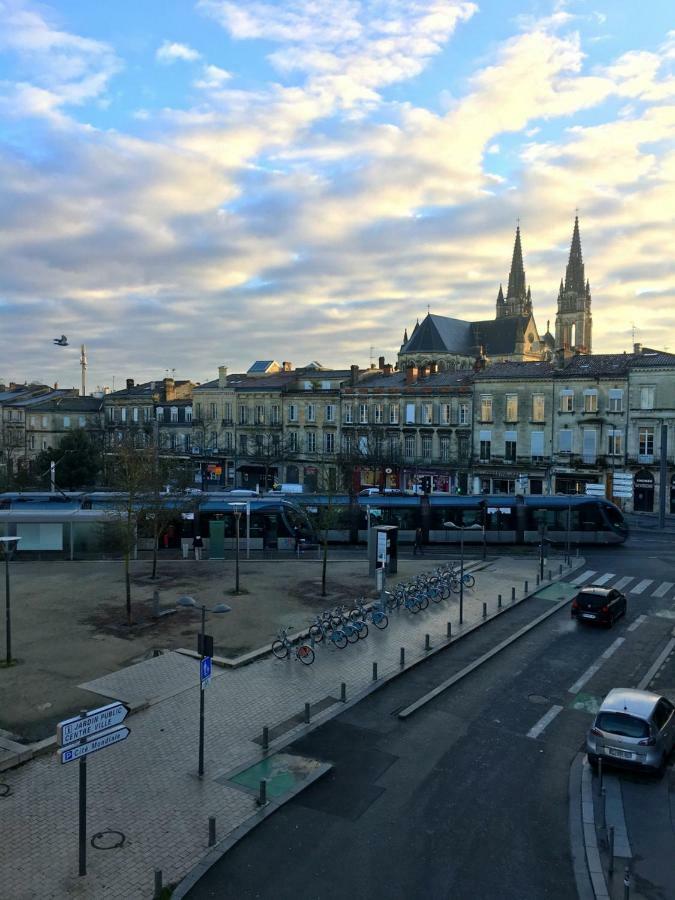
(282, 771)
(537, 698)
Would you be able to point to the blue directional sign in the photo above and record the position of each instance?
(205, 670)
(102, 719)
(75, 751)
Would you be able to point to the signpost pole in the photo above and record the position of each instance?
(202, 690)
(663, 475)
(461, 574)
(82, 841)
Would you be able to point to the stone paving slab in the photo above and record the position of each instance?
(147, 787)
(149, 681)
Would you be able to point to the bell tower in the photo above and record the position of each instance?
(518, 300)
(573, 321)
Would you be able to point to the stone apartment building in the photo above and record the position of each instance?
(160, 410)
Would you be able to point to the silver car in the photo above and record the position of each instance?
(632, 728)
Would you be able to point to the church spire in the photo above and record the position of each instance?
(516, 288)
(575, 279)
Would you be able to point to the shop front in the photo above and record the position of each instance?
(643, 491)
(429, 480)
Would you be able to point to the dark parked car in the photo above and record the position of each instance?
(598, 605)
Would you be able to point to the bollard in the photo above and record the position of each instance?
(499, 601)
(600, 774)
(308, 713)
(427, 642)
(448, 631)
(537, 583)
(265, 737)
(158, 884)
(513, 595)
(262, 793)
(527, 587)
(402, 656)
(603, 808)
(550, 575)
(374, 671)
(626, 883)
(610, 865)
(343, 692)
(560, 568)
(485, 610)
(212, 830)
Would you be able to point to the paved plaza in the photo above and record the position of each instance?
(147, 788)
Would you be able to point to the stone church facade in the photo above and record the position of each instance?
(512, 336)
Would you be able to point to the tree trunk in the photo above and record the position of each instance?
(127, 585)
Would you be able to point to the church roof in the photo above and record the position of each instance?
(441, 334)
(499, 336)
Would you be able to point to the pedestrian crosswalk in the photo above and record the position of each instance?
(629, 584)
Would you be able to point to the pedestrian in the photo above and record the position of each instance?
(418, 545)
(197, 546)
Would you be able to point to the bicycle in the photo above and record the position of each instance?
(282, 647)
(322, 628)
(375, 614)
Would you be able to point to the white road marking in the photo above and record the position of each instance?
(545, 720)
(603, 579)
(622, 582)
(663, 589)
(583, 577)
(590, 672)
(636, 623)
(641, 585)
(656, 665)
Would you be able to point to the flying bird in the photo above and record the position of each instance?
(61, 342)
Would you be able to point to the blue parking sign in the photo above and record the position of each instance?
(205, 670)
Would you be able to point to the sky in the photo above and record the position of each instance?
(192, 184)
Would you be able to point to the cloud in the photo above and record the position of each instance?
(54, 68)
(321, 209)
(170, 52)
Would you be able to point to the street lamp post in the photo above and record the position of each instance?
(461, 561)
(542, 533)
(237, 508)
(9, 545)
(190, 603)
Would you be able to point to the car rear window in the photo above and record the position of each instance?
(591, 601)
(622, 724)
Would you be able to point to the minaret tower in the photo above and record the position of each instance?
(518, 301)
(573, 321)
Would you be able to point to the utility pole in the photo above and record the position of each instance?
(83, 364)
(663, 475)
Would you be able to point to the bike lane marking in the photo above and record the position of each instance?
(545, 720)
(591, 670)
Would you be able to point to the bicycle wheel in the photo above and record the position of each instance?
(423, 601)
(380, 621)
(316, 633)
(305, 654)
(352, 635)
(454, 586)
(356, 614)
(363, 631)
(280, 649)
(339, 639)
(469, 580)
(437, 594)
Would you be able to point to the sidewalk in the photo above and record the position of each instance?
(147, 788)
(641, 809)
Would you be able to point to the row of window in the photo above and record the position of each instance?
(538, 408)
(58, 421)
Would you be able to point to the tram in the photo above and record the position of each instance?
(495, 519)
(79, 524)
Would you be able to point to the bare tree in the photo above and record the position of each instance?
(269, 449)
(369, 448)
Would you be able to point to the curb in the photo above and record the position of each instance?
(576, 827)
(222, 847)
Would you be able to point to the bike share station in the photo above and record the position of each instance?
(382, 554)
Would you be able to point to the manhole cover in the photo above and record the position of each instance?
(107, 840)
(537, 698)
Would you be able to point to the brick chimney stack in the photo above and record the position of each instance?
(353, 375)
(130, 383)
(410, 374)
(169, 389)
(222, 376)
(286, 366)
(380, 362)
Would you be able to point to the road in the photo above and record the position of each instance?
(458, 801)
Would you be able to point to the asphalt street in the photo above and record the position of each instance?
(457, 801)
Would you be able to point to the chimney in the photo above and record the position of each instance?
(222, 376)
(130, 383)
(56, 385)
(380, 362)
(387, 368)
(286, 366)
(354, 375)
(169, 389)
(637, 348)
(410, 374)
